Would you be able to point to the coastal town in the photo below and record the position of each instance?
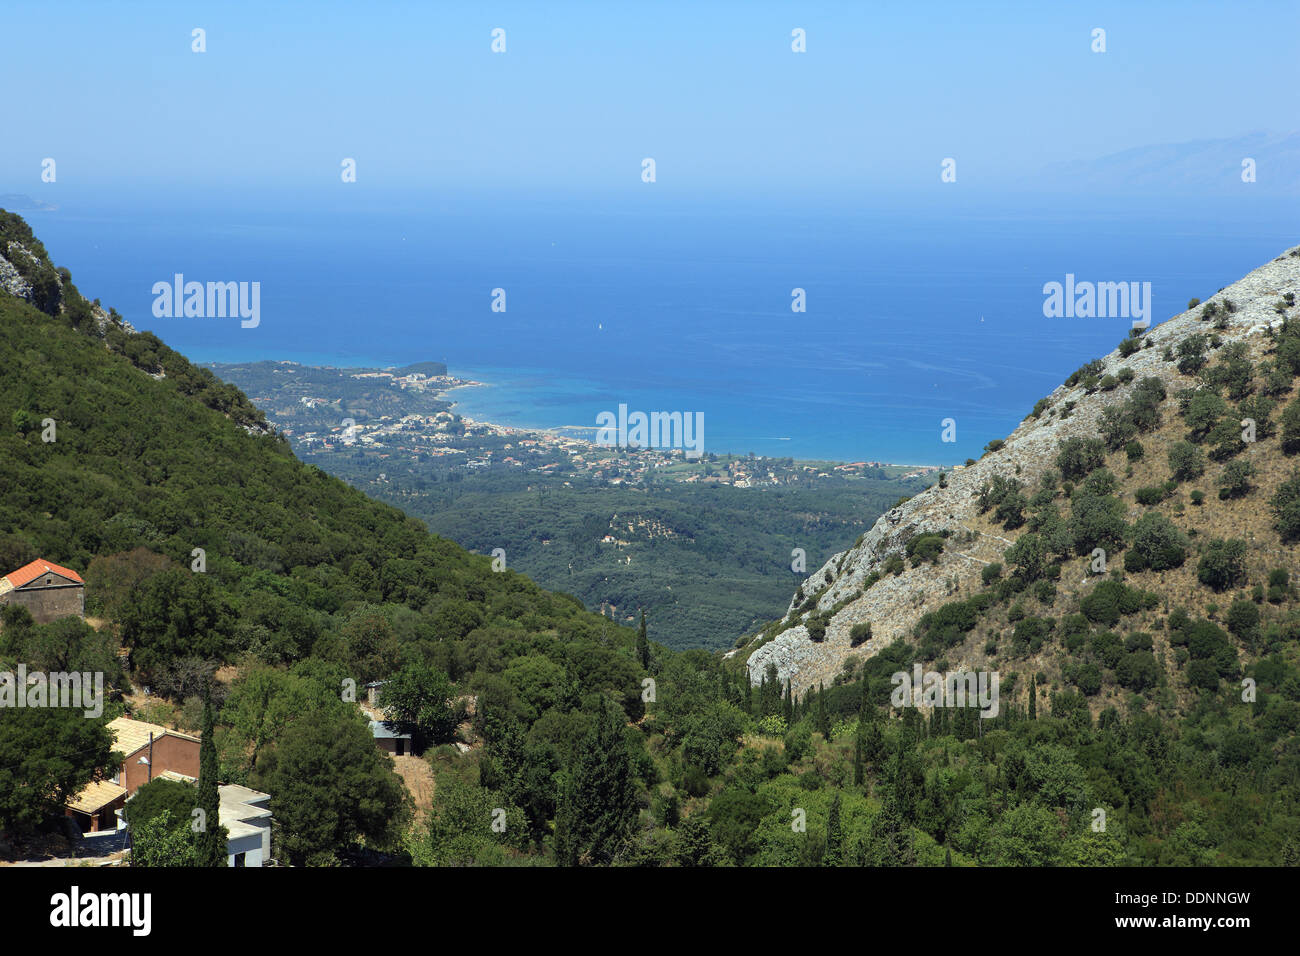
(406, 417)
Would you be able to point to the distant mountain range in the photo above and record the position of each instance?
(1206, 166)
(17, 202)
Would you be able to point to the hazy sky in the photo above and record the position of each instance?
(584, 91)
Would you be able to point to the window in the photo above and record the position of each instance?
(239, 859)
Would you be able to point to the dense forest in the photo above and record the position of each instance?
(226, 569)
(710, 563)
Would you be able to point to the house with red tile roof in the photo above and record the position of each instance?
(47, 590)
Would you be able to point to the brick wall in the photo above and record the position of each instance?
(169, 753)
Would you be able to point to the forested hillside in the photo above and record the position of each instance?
(555, 737)
(709, 563)
(205, 543)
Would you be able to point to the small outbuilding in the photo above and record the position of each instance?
(390, 741)
(47, 590)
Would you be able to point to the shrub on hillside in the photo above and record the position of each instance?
(1107, 647)
(1223, 565)
(1079, 456)
(1186, 461)
(1291, 428)
(1028, 556)
(1137, 671)
(1235, 480)
(1278, 580)
(925, 547)
(1243, 620)
(1096, 517)
(1202, 413)
(1157, 545)
(1191, 353)
(1089, 369)
(1109, 600)
(1285, 505)
(1088, 679)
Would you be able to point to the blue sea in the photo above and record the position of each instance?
(917, 311)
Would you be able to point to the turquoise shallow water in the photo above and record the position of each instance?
(914, 313)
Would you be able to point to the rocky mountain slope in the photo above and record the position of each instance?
(876, 582)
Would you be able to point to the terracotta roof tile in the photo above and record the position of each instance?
(30, 572)
(131, 735)
(95, 796)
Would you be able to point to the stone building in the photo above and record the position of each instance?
(47, 591)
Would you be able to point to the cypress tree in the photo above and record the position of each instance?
(947, 857)
(859, 751)
(1033, 699)
(789, 704)
(823, 720)
(834, 837)
(643, 643)
(597, 809)
(889, 837)
(770, 693)
(211, 840)
(873, 744)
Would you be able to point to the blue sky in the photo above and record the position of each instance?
(712, 91)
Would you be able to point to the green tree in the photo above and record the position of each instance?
(417, 701)
(1080, 456)
(211, 843)
(1186, 461)
(1158, 545)
(1203, 413)
(1029, 556)
(259, 708)
(834, 855)
(164, 839)
(643, 644)
(1235, 480)
(172, 615)
(1291, 427)
(695, 843)
(1223, 565)
(1285, 505)
(859, 751)
(470, 826)
(47, 755)
(598, 806)
(889, 838)
(371, 645)
(331, 786)
(178, 797)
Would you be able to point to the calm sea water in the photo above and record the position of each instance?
(915, 313)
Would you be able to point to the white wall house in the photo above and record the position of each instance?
(246, 815)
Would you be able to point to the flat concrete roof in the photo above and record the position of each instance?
(380, 732)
